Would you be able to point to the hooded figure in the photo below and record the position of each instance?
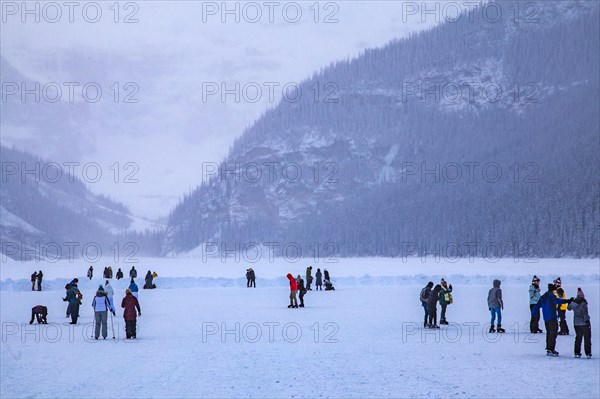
(581, 321)
(101, 306)
(119, 274)
(133, 272)
(319, 281)
(130, 304)
(293, 291)
(134, 288)
(308, 278)
(496, 305)
(148, 285)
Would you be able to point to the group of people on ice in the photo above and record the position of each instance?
(102, 303)
(37, 277)
(430, 296)
(300, 287)
(553, 304)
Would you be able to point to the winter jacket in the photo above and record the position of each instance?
(308, 275)
(100, 302)
(495, 296)
(248, 275)
(319, 277)
(133, 273)
(130, 304)
(90, 273)
(133, 287)
(534, 294)
(119, 274)
(149, 279)
(443, 292)
(301, 287)
(40, 276)
(252, 274)
(109, 290)
(34, 277)
(293, 283)
(425, 294)
(579, 306)
(563, 296)
(327, 275)
(433, 298)
(548, 303)
(72, 295)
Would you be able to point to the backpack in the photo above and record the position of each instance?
(448, 297)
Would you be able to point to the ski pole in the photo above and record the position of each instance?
(112, 325)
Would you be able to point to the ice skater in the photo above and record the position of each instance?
(548, 303)
(319, 280)
(432, 301)
(581, 321)
(101, 306)
(293, 291)
(534, 298)
(424, 296)
(301, 290)
(496, 306)
(130, 304)
(445, 299)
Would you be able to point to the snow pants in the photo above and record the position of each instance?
(130, 327)
(443, 315)
(583, 333)
(101, 319)
(534, 324)
(551, 333)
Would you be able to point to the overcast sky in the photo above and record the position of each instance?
(173, 51)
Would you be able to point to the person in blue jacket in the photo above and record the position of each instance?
(548, 303)
(134, 288)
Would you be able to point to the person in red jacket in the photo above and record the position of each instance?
(293, 291)
(130, 304)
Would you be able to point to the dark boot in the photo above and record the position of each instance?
(492, 329)
(500, 329)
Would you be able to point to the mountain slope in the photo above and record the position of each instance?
(407, 167)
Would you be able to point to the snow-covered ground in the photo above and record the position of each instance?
(204, 334)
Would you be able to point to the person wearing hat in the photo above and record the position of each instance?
(445, 299)
(130, 304)
(110, 293)
(309, 278)
(548, 303)
(581, 321)
(534, 298)
(562, 309)
(101, 307)
(133, 287)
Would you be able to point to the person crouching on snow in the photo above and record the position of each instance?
(40, 313)
(130, 304)
(293, 291)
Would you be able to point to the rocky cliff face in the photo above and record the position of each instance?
(471, 132)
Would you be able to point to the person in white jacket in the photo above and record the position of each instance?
(101, 306)
(109, 294)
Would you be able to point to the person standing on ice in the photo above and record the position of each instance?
(319, 280)
(130, 304)
(301, 290)
(40, 276)
(581, 321)
(534, 298)
(110, 293)
(134, 288)
(496, 306)
(445, 299)
(252, 278)
(548, 303)
(90, 272)
(119, 274)
(562, 309)
(133, 272)
(432, 301)
(101, 307)
(33, 280)
(308, 278)
(293, 291)
(109, 270)
(74, 297)
(424, 296)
